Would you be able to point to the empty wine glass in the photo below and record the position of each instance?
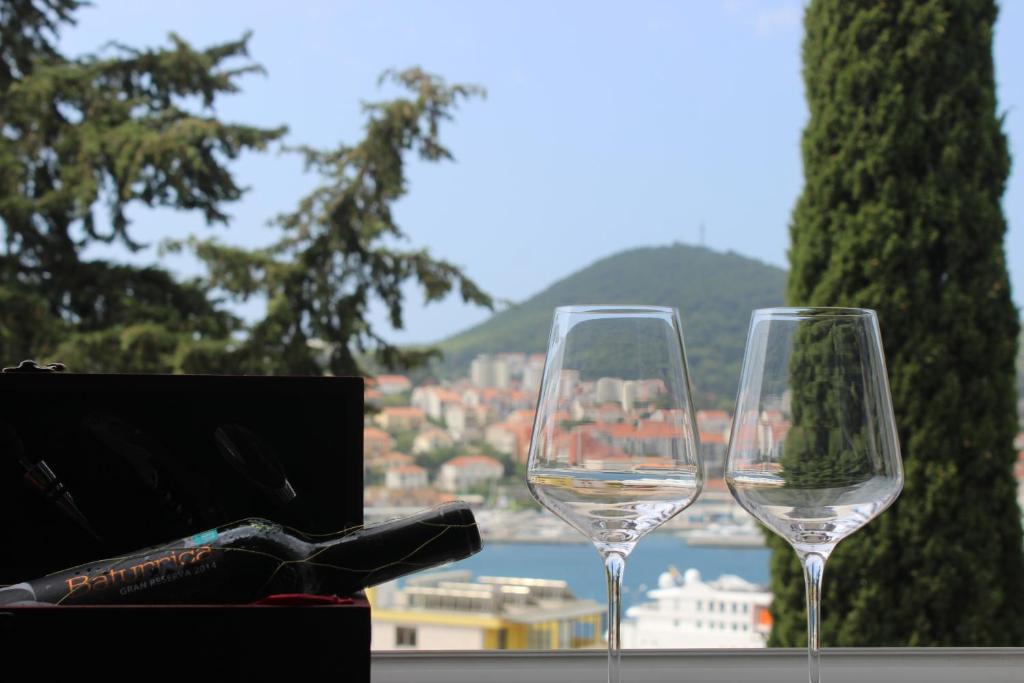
(813, 452)
(614, 450)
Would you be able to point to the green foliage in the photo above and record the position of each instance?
(905, 164)
(399, 400)
(1020, 380)
(112, 130)
(403, 441)
(829, 443)
(505, 459)
(137, 127)
(26, 323)
(432, 460)
(713, 292)
(335, 256)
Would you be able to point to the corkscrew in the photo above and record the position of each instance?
(41, 478)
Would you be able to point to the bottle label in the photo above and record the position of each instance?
(203, 538)
(143, 572)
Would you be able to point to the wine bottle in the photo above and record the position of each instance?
(254, 558)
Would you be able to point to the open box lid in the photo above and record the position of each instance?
(97, 465)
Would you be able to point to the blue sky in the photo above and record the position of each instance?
(606, 126)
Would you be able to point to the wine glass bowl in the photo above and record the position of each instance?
(813, 451)
(614, 451)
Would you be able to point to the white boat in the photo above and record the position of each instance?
(725, 535)
(686, 612)
(526, 527)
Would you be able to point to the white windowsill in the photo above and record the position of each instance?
(840, 665)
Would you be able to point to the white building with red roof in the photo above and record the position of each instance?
(390, 460)
(433, 400)
(501, 437)
(400, 418)
(511, 438)
(372, 397)
(405, 477)
(714, 422)
(376, 442)
(608, 413)
(430, 440)
(466, 471)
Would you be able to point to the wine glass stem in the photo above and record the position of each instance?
(814, 567)
(614, 565)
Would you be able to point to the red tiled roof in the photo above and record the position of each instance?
(374, 434)
(403, 411)
(447, 395)
(464, 460)
(712, 437)
(583, 443)
(715, 485)
(647, 429)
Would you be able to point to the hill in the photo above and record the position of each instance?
(714, 293)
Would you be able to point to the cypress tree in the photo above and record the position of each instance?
(905, 163)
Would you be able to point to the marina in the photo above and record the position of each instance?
(580, 565)
(460, 606)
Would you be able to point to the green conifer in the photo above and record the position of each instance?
(137, 127)
(905, 163)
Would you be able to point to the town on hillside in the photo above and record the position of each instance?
(469, 438)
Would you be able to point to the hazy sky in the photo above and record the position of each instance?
(606, 126)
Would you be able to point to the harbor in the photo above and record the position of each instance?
(478, 610)
(580, 565)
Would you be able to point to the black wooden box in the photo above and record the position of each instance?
(92, 466)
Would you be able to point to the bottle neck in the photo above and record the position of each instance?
(382, 552)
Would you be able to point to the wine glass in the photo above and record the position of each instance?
(614, 450)
(813, 452)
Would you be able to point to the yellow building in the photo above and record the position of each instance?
(448, 611)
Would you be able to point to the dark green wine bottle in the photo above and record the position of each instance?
(252, 559)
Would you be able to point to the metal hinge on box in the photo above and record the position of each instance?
(32, 366)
